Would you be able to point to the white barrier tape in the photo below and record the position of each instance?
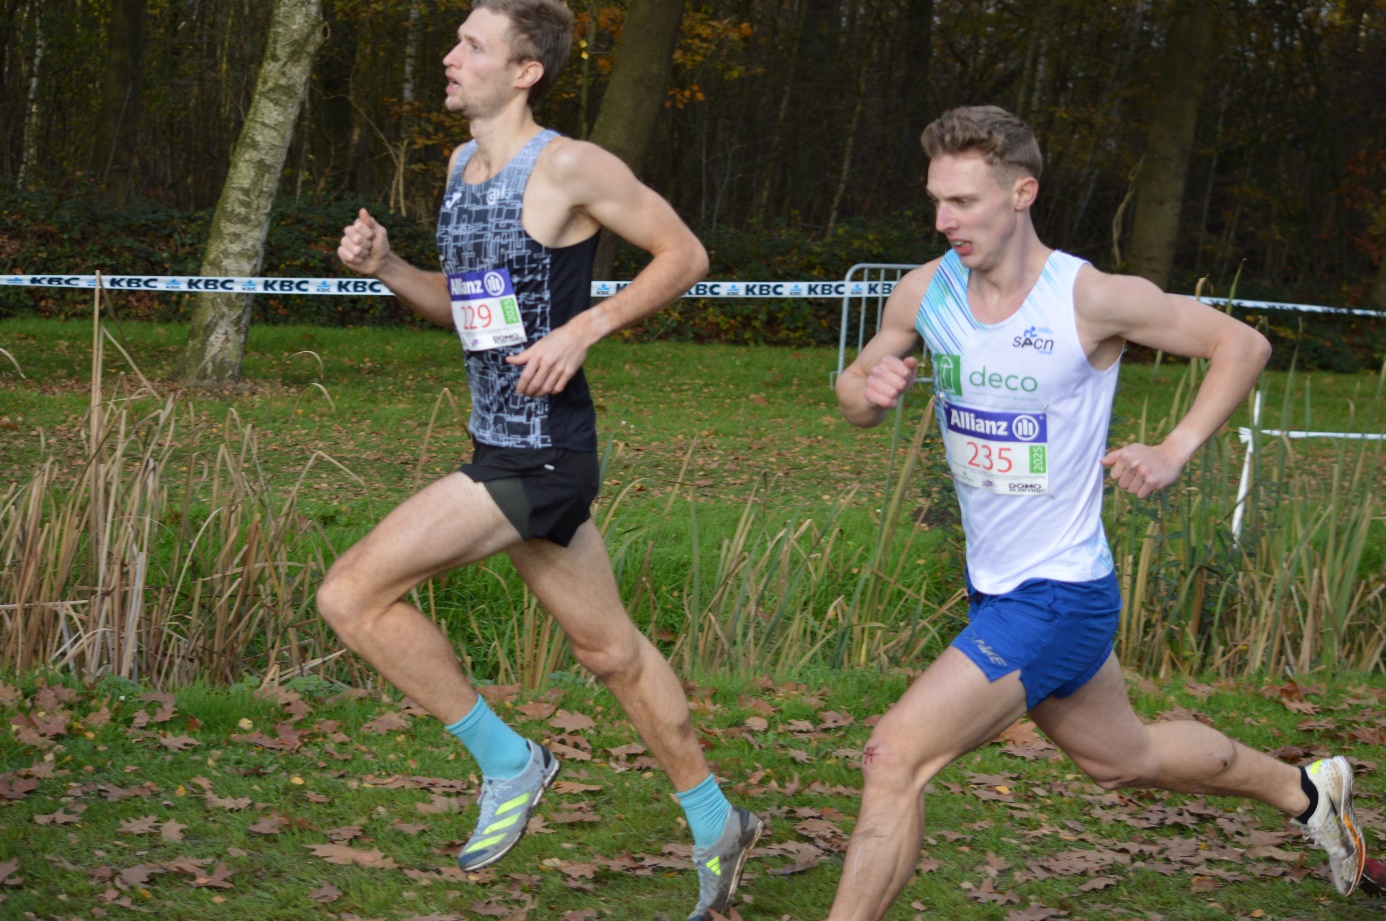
(1302, 308)
(369, 286)
(704, 289)
(781, 289)
(1244, 435)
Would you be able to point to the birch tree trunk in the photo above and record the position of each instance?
(1160, 186)
(236, 244)
(411, 53)
(635, 93)
(32, 110)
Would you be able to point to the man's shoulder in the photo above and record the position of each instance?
(456, 154)
(916, 281)
(1096, 291)
(566, 159)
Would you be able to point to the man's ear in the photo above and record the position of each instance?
(530, 73)
(1025, 192)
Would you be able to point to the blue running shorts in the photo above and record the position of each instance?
(1057, 634)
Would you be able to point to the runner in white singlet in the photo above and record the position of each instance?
(1025, 344)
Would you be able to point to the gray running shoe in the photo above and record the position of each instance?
(1333, 826)
(505, 809)
(719, 866)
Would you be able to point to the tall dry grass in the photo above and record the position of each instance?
(152, 561)
(166, 556)
(1291, 593)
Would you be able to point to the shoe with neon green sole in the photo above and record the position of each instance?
(719, 866)
(505, 809)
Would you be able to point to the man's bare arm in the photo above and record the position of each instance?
(600, 185)
(365, 248)
(1134, 309)
(871, 385)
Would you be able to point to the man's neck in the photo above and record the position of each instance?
(998, 291)
(499, 137)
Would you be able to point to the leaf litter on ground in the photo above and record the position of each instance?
(355, 804)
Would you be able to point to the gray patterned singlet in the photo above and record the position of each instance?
(479, 230)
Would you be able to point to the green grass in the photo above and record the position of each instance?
(1181, 857)
(734, 493)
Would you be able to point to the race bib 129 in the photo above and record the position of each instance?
(1002, 452)
(484, 309)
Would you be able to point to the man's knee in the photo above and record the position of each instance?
(1130, 769)
(893, 762)
(618, 660)
(337, 602)
(1116, 776)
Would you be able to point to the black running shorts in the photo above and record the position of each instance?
(544, 492)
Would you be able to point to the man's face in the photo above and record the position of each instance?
(481, 76)
(976, 209)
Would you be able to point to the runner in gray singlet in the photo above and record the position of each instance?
(516, 236)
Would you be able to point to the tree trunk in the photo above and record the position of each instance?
(113, 154)
(1160, 187)
(770, 171)
(914, 93)
(236, 244)
(815, 107)
(635, 93)
(1379, 289)
(844, 174)
(32, 110)
(411, 53)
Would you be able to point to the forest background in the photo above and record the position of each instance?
(788, 138)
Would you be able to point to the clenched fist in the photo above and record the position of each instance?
(365, 245)
(890, 378)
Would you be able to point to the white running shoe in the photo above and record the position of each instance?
(1333, 826)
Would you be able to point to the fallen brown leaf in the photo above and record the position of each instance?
(393, 721)
(7, 877)
(572, 722)
(345, 855)
(177, 743)
(147, 825)
(327, 893)
(62, 817)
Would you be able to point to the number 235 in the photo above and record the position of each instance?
(984, 457)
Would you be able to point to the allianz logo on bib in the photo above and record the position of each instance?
(461, 286)
(1036, 338)
(999, 426)
(479, 284)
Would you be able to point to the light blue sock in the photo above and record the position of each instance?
(707, 810)
(499, 750)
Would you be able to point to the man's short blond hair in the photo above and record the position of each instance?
(1006, 142)
(540, 30)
